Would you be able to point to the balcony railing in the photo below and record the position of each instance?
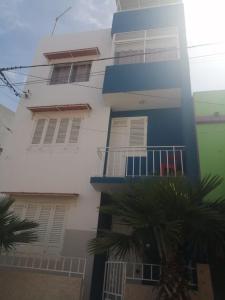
(141, 161)
(69, 266)
(140, 4)
(118, 274)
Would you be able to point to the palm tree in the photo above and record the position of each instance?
(13, 230)
(168, 219)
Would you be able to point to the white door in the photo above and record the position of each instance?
(128, 138)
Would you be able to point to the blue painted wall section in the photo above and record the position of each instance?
(142, 77)
(164, 125)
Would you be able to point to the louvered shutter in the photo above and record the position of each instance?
(38, 131)
(43, 221)
(138, 132)
(18, 210)
(75, 128)
(50, 131)
(31, 212)
(57, 225)
(62, 131)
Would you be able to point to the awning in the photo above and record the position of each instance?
(72, 53)
(67, 107)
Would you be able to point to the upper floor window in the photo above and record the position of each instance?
(153, 45)
(139, 4)
(56, 131)
(67, 73)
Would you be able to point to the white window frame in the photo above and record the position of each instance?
(146, 39)
(67, 137)
(70, 72)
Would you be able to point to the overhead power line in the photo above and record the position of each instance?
(112, 57)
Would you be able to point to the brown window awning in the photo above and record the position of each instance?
(67, 107)
(72, 53)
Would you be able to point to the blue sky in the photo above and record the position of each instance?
(24, 22)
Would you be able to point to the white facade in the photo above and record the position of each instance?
(39, 176)
(6, 123)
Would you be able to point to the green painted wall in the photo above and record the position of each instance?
(211, 137)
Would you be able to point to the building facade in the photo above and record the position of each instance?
(108, 105)
(6, 123)
(210, 123)
(210, 118)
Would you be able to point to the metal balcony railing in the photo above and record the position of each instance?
(140, 4)
(69, 266)
(141, 161)
(118, 274)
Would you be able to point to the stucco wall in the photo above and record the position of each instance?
(143, 292)
(6, 120)
(19, 285)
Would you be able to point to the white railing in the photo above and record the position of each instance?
(141, 161)
(69, 266)
(140, 4)
(118, 273)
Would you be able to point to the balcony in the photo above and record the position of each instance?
(141, 4)
(131, 17)
(146, 69)
(119, 165)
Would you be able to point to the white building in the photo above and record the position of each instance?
(90, 123)
(6, 123)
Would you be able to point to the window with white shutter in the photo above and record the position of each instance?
(57, 226)
(38, 131)
(62, 131)
(50, 131)
(51, 220)
(74, 132)
(138, 132)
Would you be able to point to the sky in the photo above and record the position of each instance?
(24, 22)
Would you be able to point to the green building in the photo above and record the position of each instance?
(210, 120)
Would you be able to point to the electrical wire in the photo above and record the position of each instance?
(113, 57)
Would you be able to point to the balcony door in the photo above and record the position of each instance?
(128, 140)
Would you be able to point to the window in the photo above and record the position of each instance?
(62, 131)
(51, 220)
(74, 133)
(147, 46)
(50, 131)
(56, 131)
(80, 73)
(60, 74)
(75, 72)
(38, 131)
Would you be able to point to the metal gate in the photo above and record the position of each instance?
(114, 280)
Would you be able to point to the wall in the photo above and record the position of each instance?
(6, 120)
(16, 285)
(211, 140)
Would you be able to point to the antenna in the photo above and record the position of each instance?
(57, 18)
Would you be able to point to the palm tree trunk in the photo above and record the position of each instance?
(173, 282)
